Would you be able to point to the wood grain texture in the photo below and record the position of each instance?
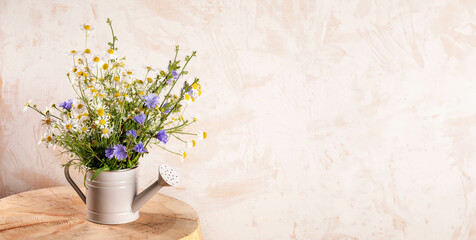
(58, 213)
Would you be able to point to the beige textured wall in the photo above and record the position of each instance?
(326, 119)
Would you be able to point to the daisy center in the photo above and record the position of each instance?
(100, 112)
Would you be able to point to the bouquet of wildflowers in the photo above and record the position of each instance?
(115, 116)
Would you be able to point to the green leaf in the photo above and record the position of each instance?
(98, 171)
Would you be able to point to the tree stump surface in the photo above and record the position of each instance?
(58, 213)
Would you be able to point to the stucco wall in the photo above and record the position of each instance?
(326, 119)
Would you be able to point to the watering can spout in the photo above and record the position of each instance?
(167, 178)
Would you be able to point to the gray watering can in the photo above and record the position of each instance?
(111, 198)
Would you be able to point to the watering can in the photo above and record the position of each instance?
(111, 197)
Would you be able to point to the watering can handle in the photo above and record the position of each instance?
(71, 182)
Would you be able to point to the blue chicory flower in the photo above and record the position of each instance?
(110, 151)
(167, 110)
(175, 74)
(162, 136)
(131, 132)
(140, 148)
(67, 104)
(151, 100)
(120, 151)
(140, 118)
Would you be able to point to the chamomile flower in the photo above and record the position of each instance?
(69, 125)
(48, 139)
(111, 54)
(191, 143)
(104, 65)
(106, 133)
(150, 68)
(73, 53)
(182, 155)
(188, 99)
(202, 135)
(48, 121)
(78, 106)
(99, 109)
(102, 122)
(27, 105)
(87, 28)
(82, 117)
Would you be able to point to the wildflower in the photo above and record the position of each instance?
(162, 136)
(48, 139)
(48, 121)
(100, 111)
(188, 99)
(78, 107)
(140, 148)
(191, 144)
(106, 133)
(175, 74)
(67, 104)
(202, 135)
(165, 108)
(69, 125)
(131, 133)
(83, 130)
(151, 100)
(102, 122)
(140, 118)
(27, 105)
(110, 151)
(196, 86)
(120, 151)
(73, 53)
(86, 27)
(183, 155)
(111, 54)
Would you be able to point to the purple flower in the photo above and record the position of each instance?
(140, 148)
(151, 100)
(162, 136)
(110, 151)
(67, 104)
(120, 151)
(131, 132)
(175, 74)
(140, 118)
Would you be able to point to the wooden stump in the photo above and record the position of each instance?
(58, 213)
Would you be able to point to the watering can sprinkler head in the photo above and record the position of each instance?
(168, 177)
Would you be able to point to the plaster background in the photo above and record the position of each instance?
(326, 119)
